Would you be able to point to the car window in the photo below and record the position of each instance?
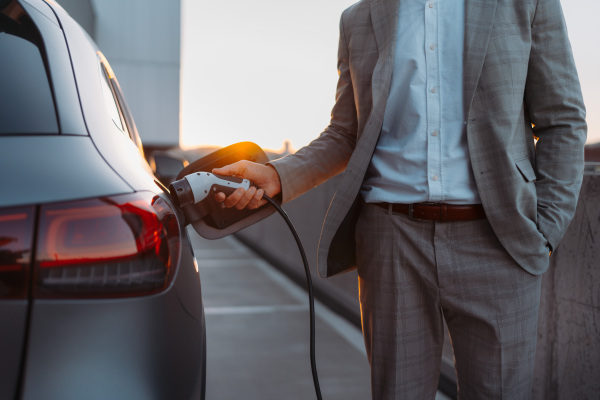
(26, 101)
(111, 86)
(110, 101)
(126, 113)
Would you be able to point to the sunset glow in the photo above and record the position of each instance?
(265, 71)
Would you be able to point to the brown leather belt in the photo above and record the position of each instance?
(437, 211)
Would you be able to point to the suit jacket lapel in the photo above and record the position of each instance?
(479, 20)
(384, 17)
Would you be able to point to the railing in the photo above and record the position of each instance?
(568, 350)
(592, 168)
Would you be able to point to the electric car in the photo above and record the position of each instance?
(99, 291)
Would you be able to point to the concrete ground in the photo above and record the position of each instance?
(258, 332)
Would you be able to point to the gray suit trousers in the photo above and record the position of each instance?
(412, 275)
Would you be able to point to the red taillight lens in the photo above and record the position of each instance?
(111, 247)
(16, 235)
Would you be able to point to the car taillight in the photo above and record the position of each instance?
(16, 235)
(117, 246)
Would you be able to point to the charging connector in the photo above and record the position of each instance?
(195, 188)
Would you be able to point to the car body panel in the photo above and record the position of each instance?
(138, 350)
(57, 168)
(64, 88)
(117, 148)
(12, 338)
(42, 7)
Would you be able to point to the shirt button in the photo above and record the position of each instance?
(435, 177)
(435, 133)
(432, 47)
(433, 90)
(430, 5)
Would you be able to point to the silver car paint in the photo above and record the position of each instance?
(139, 348)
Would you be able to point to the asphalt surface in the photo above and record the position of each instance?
(258, 332)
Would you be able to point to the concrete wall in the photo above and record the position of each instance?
(141, 40)
(568, 350)
(568, 353)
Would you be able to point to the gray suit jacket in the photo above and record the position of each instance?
(518, 71)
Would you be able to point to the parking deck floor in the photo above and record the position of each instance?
(258, 332)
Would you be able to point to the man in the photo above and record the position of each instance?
(451, 205)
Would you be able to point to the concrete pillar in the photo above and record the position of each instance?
(568, 349)
(141, 40)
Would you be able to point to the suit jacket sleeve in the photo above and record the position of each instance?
(555, 105)
(327, 155)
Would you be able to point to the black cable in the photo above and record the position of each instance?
(311, 297)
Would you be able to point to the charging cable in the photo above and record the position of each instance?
(311, 297)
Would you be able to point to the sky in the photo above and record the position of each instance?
(265, 70)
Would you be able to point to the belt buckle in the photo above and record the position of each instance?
(411, 210)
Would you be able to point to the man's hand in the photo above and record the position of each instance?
(264, 176)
